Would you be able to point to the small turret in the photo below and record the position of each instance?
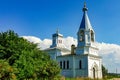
(57, 40)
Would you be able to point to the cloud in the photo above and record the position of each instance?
(110, 52)
(68, 41)
(110, 55)
(32, 39)
(45, 44)
(42, 44)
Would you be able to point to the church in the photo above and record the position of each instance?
(82, 60)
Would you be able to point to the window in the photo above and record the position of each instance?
(67, 64)
(82, 35)
(92, 36)
(61, 64)
(59, 41)
(80, 64)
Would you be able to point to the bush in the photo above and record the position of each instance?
(29, 61)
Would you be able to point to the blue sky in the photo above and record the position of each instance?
(41, 18)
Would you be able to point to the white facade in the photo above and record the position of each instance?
(94, 67)
(81, 61)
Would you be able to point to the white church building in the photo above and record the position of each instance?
(82, 60)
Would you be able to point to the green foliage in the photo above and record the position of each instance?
(6, 71)
(26, 58)
(113, 75)
(104, 72)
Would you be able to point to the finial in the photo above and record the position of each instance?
(85, 8)
(85, 4)
(57, 31)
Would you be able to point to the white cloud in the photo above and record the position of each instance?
(45, 44)
(32, 39)
(42, 44)
(110, 52)
(68, 41)
(111, 56)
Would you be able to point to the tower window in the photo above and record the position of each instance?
(67, 64)
(92, 36)
(61, 64)
(82, 35)
(80, 64)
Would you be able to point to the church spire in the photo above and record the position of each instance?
(85, 33)
(85, 23)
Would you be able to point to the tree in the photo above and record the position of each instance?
(104, 71)
(29, 61)
(6, 71)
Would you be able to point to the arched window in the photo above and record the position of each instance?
(67, 64)
(92, 36)
(82, 35)
(61, 64)
(80, 64)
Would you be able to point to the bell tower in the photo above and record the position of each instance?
(85, 35)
